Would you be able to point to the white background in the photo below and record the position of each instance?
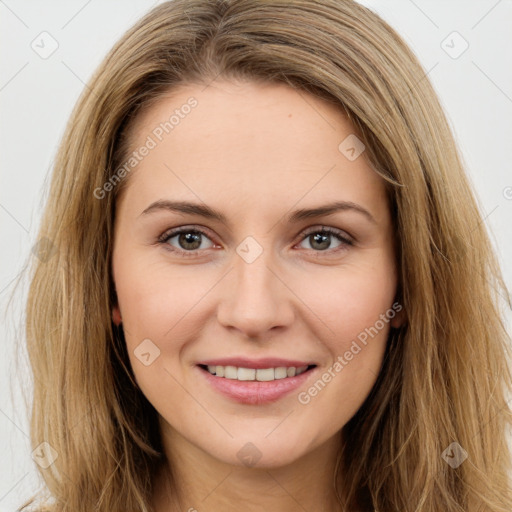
(37, 95)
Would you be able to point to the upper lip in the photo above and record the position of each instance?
(244, 362)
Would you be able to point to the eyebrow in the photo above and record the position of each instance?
(207, 212)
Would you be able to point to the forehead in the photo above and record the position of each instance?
(265, 142)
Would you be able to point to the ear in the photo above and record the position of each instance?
(399, 319)
(116, 316)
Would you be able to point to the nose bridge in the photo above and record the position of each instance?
(255, 298)
(252, 265)
(254, 280)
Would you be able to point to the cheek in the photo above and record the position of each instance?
(348, 302)
(156, 305)
(161, 308)
(152, 298)
(357, 309)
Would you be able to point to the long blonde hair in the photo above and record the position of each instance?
(446, 370)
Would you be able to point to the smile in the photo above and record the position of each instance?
(253, 374)
(255, 386)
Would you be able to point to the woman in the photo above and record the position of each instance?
(266, 282)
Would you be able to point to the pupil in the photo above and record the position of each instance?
(321, 238)
(189, 238)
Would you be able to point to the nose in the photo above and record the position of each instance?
(255, 298)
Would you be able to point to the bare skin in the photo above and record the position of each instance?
(256, 153)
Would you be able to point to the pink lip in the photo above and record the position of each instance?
(255, 392)
(244, 362)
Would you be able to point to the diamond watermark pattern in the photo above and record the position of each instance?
(249, 455)
(45, 45)
(45, 455)
(249, 249)
(44, 249)
(455, 455)
(351, 147)
(454, 45)
(146, 352)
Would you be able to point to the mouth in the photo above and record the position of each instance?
(255, 386)
(241, 373)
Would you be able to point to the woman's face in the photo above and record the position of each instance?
(253, 172)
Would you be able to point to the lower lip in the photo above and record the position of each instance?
(255, 392)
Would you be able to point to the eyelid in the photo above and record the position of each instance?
(320, 228)
(168, 233)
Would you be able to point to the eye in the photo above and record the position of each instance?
(188, 240)
(320, 239)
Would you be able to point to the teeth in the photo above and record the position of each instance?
(246, 373)
(251, 374)
(231, 372)
(265, 374)
(280, 373)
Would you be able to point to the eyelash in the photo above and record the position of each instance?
(167, 235)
